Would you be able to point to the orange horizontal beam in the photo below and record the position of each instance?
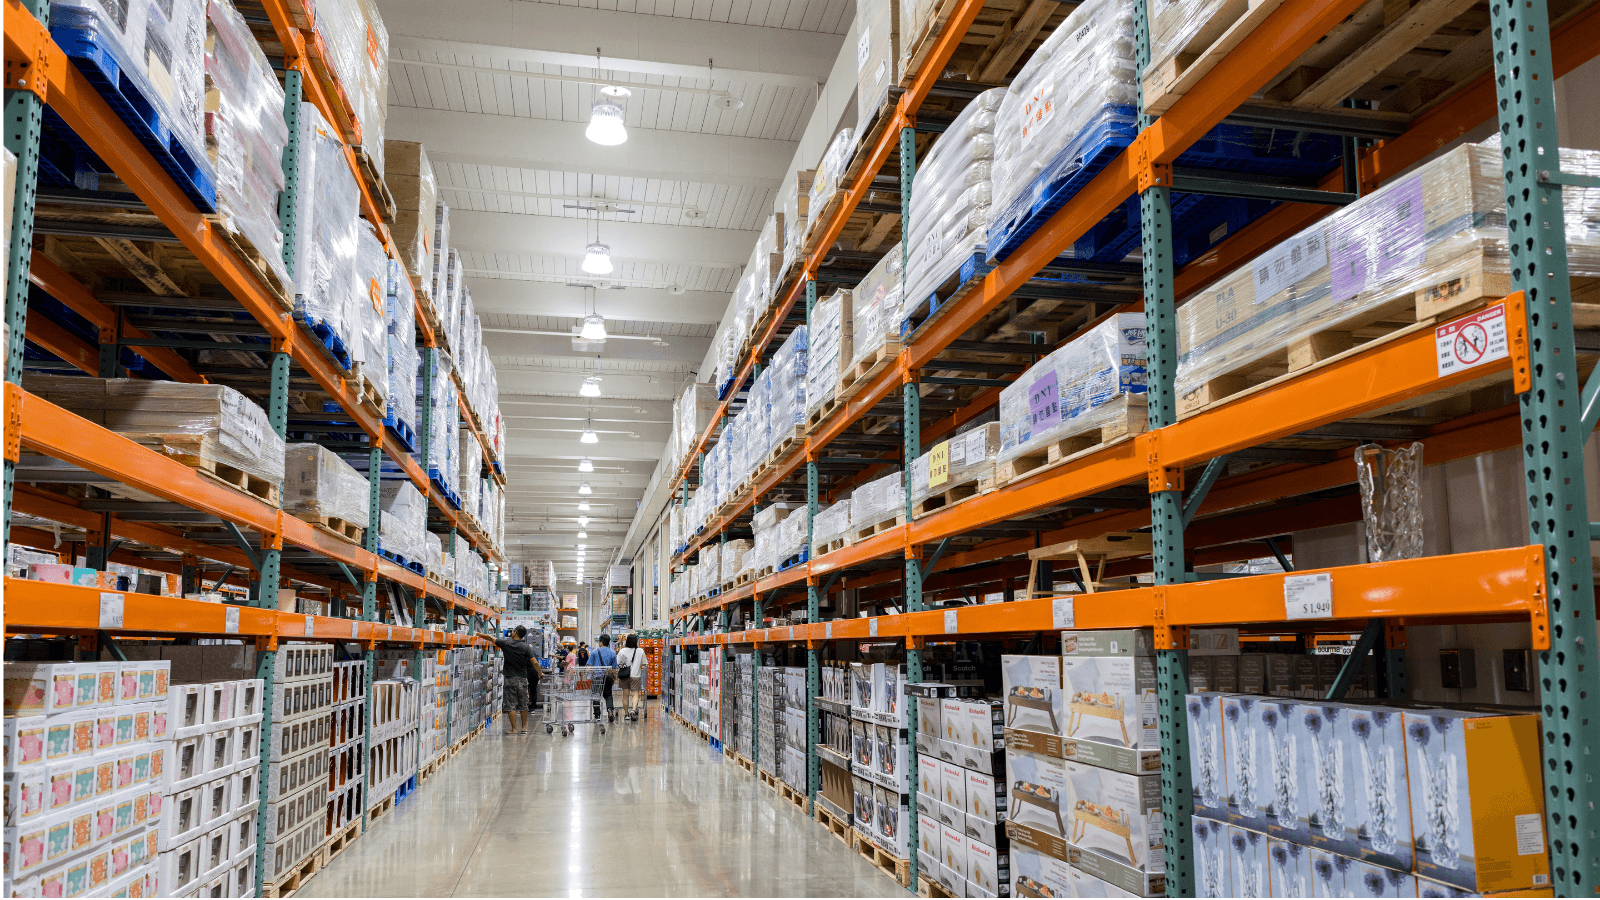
(64, 344)
(71, 292)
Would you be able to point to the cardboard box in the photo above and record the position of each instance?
(953, 849)
(1116, 815)
(1375, 749)
(953, 787)
(1276, 738)
(1476, 805)
(1034, 700)
(1213, 869)
(928, 727)
(929, 781)
(1341, 876)
(928, 843)
(1034, 874)
(1038, 793)
(1110, 701)
(1087, 885)
(1290, 868)
(986, 796)
(1328, 775)
(1208, 764)
(1246, 758)
(24, 740)
(949, 816)
(1252, 673)
(988, 869)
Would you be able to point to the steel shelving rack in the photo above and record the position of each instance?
(266, 547)
(1545, 584)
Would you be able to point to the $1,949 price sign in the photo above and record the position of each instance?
(1308, 596)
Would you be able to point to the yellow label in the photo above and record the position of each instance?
(939, 464)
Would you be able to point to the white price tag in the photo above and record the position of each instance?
(827, 630)
(791, 632)
(950, 622)
(1061, 614)
(872, 626)
(355, 630)
(310, 626)
(391, 632)
(110, 610)
(1308, 596)
(230, 619)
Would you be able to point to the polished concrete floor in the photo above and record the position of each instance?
(644, 810)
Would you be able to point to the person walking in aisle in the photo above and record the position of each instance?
(572, 657)
(603, 655)
(631, 663)
(518, 654)
(583, 653)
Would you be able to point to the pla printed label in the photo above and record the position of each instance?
(939, 464)
(1061, 613)
(111, 613)
(864, 49)
(950, 624)
(1036, 114)
(1348, 266)
(1044, 403)
(230, 619)
(1282, 267)
(1400, 234)
(1308, 596)
(1472, 341)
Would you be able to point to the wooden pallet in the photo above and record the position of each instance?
(367, 393)
(1126, 422)
(815, 417)
(838, 827)
(798, 798)
(892, 866)
(429, 768)
(278, 286)
(817, 222)
(766, 572)
(992, 49)
(1183, 65)
(782, 447)
(338, 527)
(744, 763)
(955, 492)
(857, 535)
(838, 543)
(343, 839)
(853, 379)
(932, 889)
(296, 878)
(381, 808)
(743, 578)
(373, 176)
(769, 779)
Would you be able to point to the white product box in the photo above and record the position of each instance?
(987, 868)
(179, 868)
(41, 688)
(24, 741)
(952, 880)
(1338, 876)
(1111, 700)
(889, 766)
(221, 701)
(1034, 874)
(928, 843)
(949, 816)
(953, 850)
(244, 789)
(1116, 815)
(1086, 885)
(952, 719)
(186, 709)
(929, 779)
(986, 797)
(1038, 792)
(215, 850)
(1375, 748)
(953, 786)
(861, 686)
(25, 795)
(25, 849)
(184, 818)
(242, 876)
(894, 812)
(216, 801)
(1283, 778)
(1033, 696)
(866, 808)
(244, 835)
(863, 746)
(221, 751)
(928, 727)
(1213, 865)
(989, 832)
(247, 743)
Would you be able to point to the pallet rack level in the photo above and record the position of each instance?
(38, 74)
(1522, 584)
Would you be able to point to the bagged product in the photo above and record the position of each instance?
(950, 207)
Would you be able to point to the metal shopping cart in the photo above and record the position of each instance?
(575, 697)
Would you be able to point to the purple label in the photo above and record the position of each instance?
(1347, 258)
(1401, 233)
(1044, 404)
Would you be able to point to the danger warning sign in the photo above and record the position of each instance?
(1472, 341)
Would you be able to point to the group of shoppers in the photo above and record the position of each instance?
(521, 667)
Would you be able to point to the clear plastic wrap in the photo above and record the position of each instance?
(1173, 25)
(875, 307)
(1087, 384)
(770, 515)
(950, 207)
(326, 235)
(879, 499)
(201, 425)
(733, 558)
(358, 42)
(404, 520)
(433, 551)
(408, 175)
(1078, 87)
(245, 134)
(768, 260)
(759, 556)
(404, 363)
(318, 485)
(789, 538)
(966, 457)
(1367, 260)
(160, 48)
(795, 210)
(787, 405)
(710, 566)
(443, 443)
(441, 256)
(877, 56)
(829, 177)
(830, 524)
(470, 470)
(693, 413)
(369, 311)
(829, 351)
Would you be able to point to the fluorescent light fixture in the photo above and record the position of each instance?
(591, 385)
(585, 465)
(585, 489)
(594, 327)
(605, 118)
(583, 520)
(596, 261)
(582, 546)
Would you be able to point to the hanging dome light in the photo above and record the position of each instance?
(585, 489)
(583, 505)
(583, 520)
(591, 385)
(583, 534)
(584, 465)
(596, 261)
(605, 118)
(588, 436)
(594, 329)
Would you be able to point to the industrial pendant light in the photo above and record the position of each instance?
(605, 116)
(583, 534)
(583, 520)
(588, 436)
(596, 261)
(583, 505)
(591, 385)
(585, 489)
(585, 465)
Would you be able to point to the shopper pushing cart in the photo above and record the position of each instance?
(575, 697)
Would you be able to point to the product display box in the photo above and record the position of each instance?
(1328, 775)
(1380, 816)
(953, 850)
(1274, 732)
(928, 728)
(1111, 705)
(1213, 867)
(1034, 874)
(1207, 761)
(1132, 882)
(988, 869)
(1246, 761)
(929, 780)
(1115, 815)
(1290, 868)
(1476, 809)
(1340, 876)
(1039, 795)
(1034, 699)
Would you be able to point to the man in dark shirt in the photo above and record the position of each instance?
(518, 660)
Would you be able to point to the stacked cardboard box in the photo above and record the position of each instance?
(300, 735)
(961, 793)
(347, 728)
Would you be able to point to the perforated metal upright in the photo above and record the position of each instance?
(1556, 422)
(912, 448)
(813, 608)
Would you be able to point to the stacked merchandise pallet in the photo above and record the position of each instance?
(789, 727)
(347, 786)
(652, 648)
(741, 693)
(836, 751)
(300, 736)
(880, 756)
(393, 741)
(767, 717)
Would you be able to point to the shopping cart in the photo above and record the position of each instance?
(575, 697)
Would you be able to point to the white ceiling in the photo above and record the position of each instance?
(500, 99)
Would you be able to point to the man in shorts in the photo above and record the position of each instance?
(518, 660)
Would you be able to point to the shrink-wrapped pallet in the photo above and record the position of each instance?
(318, 485)
(966, 458)
(441, 256)
(796, 211)
(732, 560)
(326, 233)
(369, 311)
(875, 307)
(400, 320)
(1091, 382)
(828, 182)
(245, 134)
(829, 351)
(787, 405)
(404, 519)
(790, 538)
(1175, 25)
(768, 259)
(950, 207)
(469, 471)
(830, 524)
(433, 552)
(710, 567)
(355, 37)
(1078, 86)
(692, 414)
(759, 557)
(877, 57)
(772, 514)
(1434, 240)
(202, 425)
(443, 443)
(408, 175)
(877, 500)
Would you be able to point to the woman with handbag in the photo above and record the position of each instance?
(631, 665)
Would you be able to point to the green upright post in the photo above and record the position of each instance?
(1555, 426)
(911, 399)
(369, 613)
(1166, 510)
(24, 125)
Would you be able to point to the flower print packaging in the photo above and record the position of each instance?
(1290, 868)
(1476, 810)
(1248, 861)
(1115, 815)
(1335, 875)
(1033, 695)
(1245, 758)
(1212, 866)
(1327, 788)
(1283, 769)
(1380, 807)
(1208, 765)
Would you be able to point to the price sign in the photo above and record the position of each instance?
(311, 627)
(872, 626)
(1308, 596)
(950, 626)
(791, 632)
(230, 619)
(939, 464)
(1061, 615)
(110, 610)
(355, 631)
(827, 630)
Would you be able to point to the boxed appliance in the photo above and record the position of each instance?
(1034, 874)
(1039, 796)
(988, 869)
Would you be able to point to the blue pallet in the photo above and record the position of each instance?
(499, 468)
(403, 562)
(716, 745)
(406, 788)
(461, 591)
(800, 558)
(923, 308)
(330, 339)
(79, 36)
(1232, 148)
(713, 592)
(402, 432)
(451, 497)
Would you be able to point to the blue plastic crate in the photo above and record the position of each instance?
(923, 308)
(323, 331)
(403, 562)
(402, 432)
(77, 32)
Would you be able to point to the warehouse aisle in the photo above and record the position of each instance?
(642, 811)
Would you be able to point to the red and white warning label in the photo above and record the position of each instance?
(1472, 341)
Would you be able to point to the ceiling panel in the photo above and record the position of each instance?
(826, 16)
(509, 265)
